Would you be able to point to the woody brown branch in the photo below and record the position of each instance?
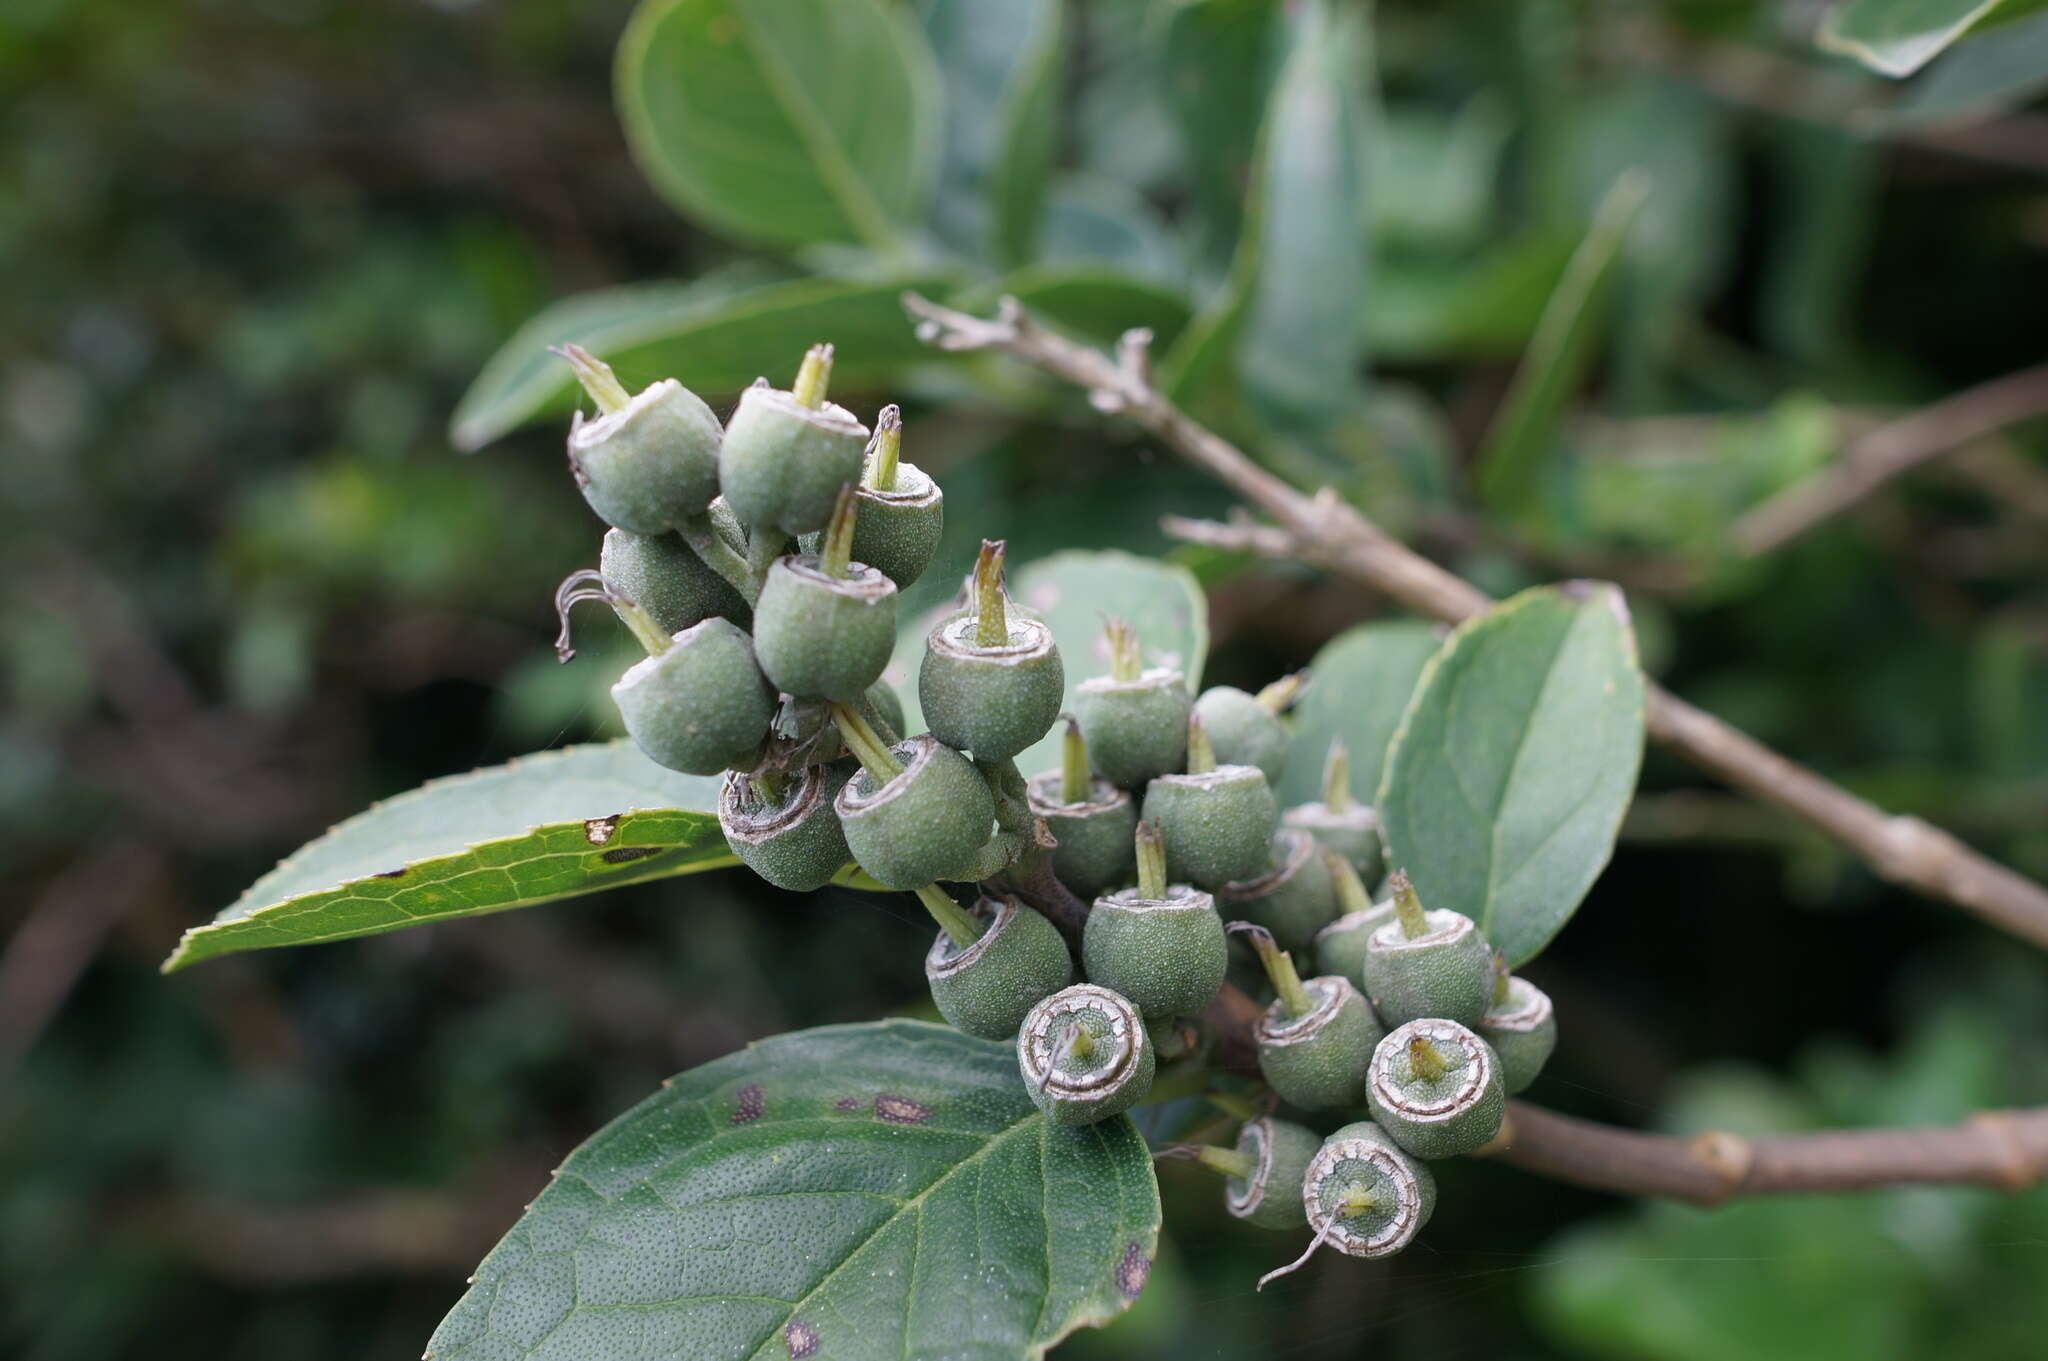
(1328, 532)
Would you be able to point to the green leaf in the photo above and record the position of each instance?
(787, 122)
(710, 340)
(548, 826)
(1898, 37)
(1507, 781)
(1525, 430)
(1985, 75)
(1001, 66)
(1215, 67)
(1304, 342)
(1029, 137)
(864, 1191)
(1359, 686)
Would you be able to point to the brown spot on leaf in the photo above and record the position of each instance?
(846, 1103)
(597, 831)
(749, 1105)
(398, 873)
(1133, 1271)
(620, 855)
(900, 1110)
(801, 1339)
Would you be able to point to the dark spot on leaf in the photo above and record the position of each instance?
(597, 831)
(1133, 1271)
(846, 1103)
(398, 873)
(900, 1110)
(624, 854)
(801, 1339)
(750, 1106)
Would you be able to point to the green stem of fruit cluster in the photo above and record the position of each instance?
(1151, 863)
(885, 449)
(1076, 785)
(1337, 777)
(1408, 907)
(991, 618)
(1500, 979)
(1351, 891)
(812, 377)
(868, 748)
(765, 544)
(1125, 665)
(1294, 998)
(835, 554)
(1278, 696)
(1201, 753)
(960, 928)
(1013, 797)
(1231, 1162)
(709, 545)
(1425, 1059)
(597, 378)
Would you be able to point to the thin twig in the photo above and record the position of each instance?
(1896, 447)
(1325, 530)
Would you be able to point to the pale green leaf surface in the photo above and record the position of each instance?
(1987, 74)
(1359, 686)
(1028, 140)
(788, 122)
(1000, 65)
(1525, 430)
(881, 1191)
(548, 826)
(1898, 37)
(1506, 783)
(711, 341)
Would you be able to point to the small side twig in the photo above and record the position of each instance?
(1326, 531)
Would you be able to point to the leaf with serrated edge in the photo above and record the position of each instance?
(884, 1190)
(1359, 685)
(548, 826)
(1506, 784)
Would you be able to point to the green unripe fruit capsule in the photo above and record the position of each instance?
(821, 636)
(990, 684)
(1218, 824)
(1435, 1087)
(1243, 731)
(1085, 1055)
(1364, 1195)
(662, 575)
(701, 704)
(1427, 964)
(902, 511)
(1522, 1028)
(1316, 1038)
(1268, 1194)
(648, 462)
(1160, 946)
(989, 987)
(793, 841)
(1094, 834)
(924, 824)
(1340, 822)
(1294, 899)
(787, 454)
(1135, 721)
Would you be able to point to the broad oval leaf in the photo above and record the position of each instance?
(706, 335)
(1001, 65)
(1507, 781)
(884, 1190)
(1359, 685)
(547, 826)
(1898, 37)
(783, 121)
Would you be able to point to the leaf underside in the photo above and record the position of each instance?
(884, 1190)
(1506, 784)
(546, 826)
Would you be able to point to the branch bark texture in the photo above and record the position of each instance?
(1324, 530)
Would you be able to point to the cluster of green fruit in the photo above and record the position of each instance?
(766, 664)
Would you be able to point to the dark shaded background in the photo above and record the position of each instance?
(253, 254)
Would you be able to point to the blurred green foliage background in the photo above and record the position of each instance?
(255, 254)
